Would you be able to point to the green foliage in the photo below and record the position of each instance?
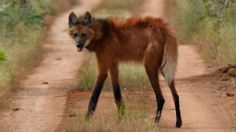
(212, 24)
(2, 56)
(30, 12)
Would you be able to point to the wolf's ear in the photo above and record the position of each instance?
(73, 20)
(87, 19)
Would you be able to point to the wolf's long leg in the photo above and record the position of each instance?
(96, 93)
(152, 62)
(153, 77)
(176, 100)
(114, 73)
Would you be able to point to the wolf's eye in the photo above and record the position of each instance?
(83, 34)
(75, 34)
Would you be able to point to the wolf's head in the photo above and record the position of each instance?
(80, 29)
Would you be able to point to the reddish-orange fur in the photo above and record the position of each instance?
(138, 22)
(145, 40)
(120, 45)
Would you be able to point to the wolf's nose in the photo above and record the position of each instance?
(79, 45)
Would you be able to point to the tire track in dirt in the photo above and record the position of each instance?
(38, 106)
(199, 106)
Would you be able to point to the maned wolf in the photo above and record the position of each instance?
(148, 41)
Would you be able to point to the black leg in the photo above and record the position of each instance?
(160, 102)
(117, 90)
(96, 93)
(177, 107)
(117, 95)
(118, 100)
(154, 79)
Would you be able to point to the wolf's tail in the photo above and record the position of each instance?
(169, 61)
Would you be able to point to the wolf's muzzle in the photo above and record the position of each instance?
(79, 45)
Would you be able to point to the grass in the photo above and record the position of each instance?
(211, 25)
(22, 31)
(138, 117)
(133, 120)
(131, 76)
(20, 51)
(117, 8)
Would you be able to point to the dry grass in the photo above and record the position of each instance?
(133, 120)
(117, 8)
(139, 114)
(132, 76)
(21, 49)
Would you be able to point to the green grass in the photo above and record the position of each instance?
(211, 25)
(22, 31)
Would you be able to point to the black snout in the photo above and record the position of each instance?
(79, 45)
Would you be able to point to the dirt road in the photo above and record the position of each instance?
(38, 106)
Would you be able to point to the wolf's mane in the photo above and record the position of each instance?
(120, 23)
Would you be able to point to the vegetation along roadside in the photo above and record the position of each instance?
(210, 24)
(22, 29)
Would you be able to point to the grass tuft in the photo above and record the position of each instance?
(132, 120)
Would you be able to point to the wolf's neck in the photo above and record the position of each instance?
(102, 30)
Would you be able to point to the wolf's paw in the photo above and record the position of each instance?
(178, 124)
